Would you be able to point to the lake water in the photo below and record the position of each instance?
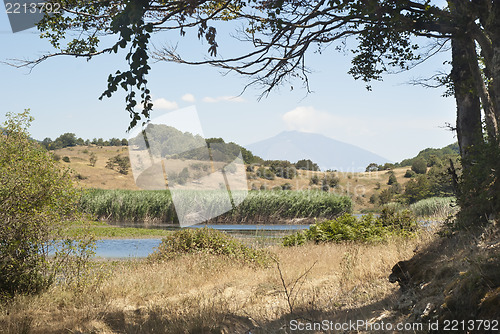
(137, 248)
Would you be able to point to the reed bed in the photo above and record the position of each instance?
(259, 206)
(435, 207)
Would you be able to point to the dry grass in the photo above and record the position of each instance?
(209, 294)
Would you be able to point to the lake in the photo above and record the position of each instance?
(137, 248)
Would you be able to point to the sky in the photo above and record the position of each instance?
(395, 120)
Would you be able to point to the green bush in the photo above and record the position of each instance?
(374, 198)
(122, 163)
(417, 189)
(392, 178)
(386, 196)
(409, 173)
(37, 201)
(65, 159)
(419, 166)
(347, 227)
(314, 179)
(207, 241)
(265, 173)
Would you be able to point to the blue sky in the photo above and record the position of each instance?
(395, 120)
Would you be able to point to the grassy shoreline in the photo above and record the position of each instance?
(101, 230)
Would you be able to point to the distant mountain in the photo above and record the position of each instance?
(326, 152)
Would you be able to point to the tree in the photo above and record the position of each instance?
(282, 33)
(372, 167)
(122, 163)
(65, 140)
(37, 200)
(417, 189)
(47, 143)
(307, 164)
(92, 159)
(385, 196)
(419, 166)
(392, 179)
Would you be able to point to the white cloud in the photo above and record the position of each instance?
(188, 98)
(209, 99)
(308, 119)
(162, 103)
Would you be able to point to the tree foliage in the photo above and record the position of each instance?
(37, 199)
(419, 166)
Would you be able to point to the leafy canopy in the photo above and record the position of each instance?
(37, 201)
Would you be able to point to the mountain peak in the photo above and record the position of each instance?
(328, 153)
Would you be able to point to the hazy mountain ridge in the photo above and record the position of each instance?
(328, 153)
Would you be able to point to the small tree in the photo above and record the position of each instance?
(373, 167)
(392, 179)
(385, 196)
(36, 199)
(92, 159)
(409, 173)
(122, 163)
(307, 164)
(314, 179)
(419, 166)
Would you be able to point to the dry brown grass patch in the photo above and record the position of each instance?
(200, 293)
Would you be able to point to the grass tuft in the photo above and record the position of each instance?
(207, 241)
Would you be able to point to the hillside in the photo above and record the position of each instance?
(360, 186)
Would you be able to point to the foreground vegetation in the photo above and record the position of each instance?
(201, 291)
(364, 229)
(38, 202)
(260, 206)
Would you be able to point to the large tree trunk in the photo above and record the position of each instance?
(469, 131)
(494, 67)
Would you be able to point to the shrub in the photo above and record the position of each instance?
(307, 164)
(37, 200)
(314, 179)
(392, 179)
(331, 180)
(207, 241)
(92, 159)
(417, 189)
(65, 159)
(374, 198)
(419, 166)
(349, 228)
(265, 173)
(122, 163)
(386, 196)
(409, 173)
